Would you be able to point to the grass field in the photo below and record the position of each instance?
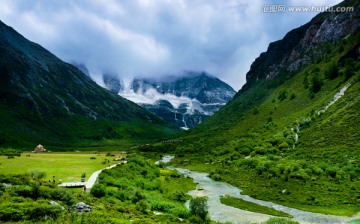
(65, 166)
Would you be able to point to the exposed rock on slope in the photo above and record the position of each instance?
(288, 55)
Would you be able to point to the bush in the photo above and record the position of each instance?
(260, 168)
(180, 212)
(196, 220)
(284, 145)
(57, 194)
(161, 164)
(138, 196)
(98, 191)
(23, 191)
(306, 82)
(316, 83)
(292, 96)
(37, 174)
(198, 207)
(332, 72)
(282, 95)
(9, 213)
(142, 206)
(178, 195)
(28, 211)
(163, 206)
(10, 152)
(331, 171)
(15, 179)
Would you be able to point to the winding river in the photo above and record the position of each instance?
(223, 213)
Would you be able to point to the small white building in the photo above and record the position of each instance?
(39, 148)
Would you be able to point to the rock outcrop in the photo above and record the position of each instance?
(300, 46)
(80, 207)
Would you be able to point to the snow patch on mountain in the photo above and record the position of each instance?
(151, 96)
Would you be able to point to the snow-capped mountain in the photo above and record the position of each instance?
(185, 100)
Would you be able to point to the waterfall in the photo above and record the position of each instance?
(336, 97)
(183, 120)
(296, 136)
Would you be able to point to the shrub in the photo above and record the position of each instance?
(37, 174)
(181, 212)
(98, 190)
(260, 168)
(42, 211)
(178, 195)
(196, 220)
(198, 207)
(284, 145)
(316, 83)
(306, 82)
(161, 164)
(292, 96)
(9, 213)
(138, 196)
(332, 72)
(28, 211)
(215, 176)
(331, 171)
(163, 206)
(10, 152)
(57, 194)
(15, 179)
(282, 95)
(142, 206)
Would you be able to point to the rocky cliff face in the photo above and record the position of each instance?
(112, 83)
(300, 47)
(185, 100)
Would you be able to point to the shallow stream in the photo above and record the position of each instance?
(223, 213)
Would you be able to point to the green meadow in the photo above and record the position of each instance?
(65, 166)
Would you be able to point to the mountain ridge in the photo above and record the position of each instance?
(36, 85)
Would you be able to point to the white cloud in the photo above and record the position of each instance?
(149, 38)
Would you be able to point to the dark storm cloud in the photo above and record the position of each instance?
(155, 37)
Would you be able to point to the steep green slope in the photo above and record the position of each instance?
(275, 141)
(45, 100)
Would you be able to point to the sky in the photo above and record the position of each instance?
(152, 38)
